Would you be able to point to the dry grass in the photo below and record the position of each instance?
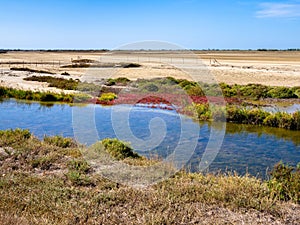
(63, 189)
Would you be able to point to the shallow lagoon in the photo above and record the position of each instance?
(245, 148)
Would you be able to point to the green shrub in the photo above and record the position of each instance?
(227, 90)
(256, 116)
(194, 90)
(184, 83)
(281, 92)
(279, 119)
(60, 141)
(285, 182)
(203, 111)
(61, 83)
(122, 81)
(255, 91)
(78, 178)
(77, 173)
(13, 137)
(285, 120)
(43, 162)
(48, 97)
(118, 149)
(271, 121)
(296, 120)
(36, 96)
(236, 114)
(79, 166)
(107, 97)
(297, 92)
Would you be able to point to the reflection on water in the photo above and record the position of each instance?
(245, 148)
(254, 149)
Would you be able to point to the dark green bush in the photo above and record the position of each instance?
(184, 83)
(296, 120)
(285, 182)
(255, 91)
(280, 119)
(48, 97)
(118, 149)
(131, 65)
(297, 92)
(236, 114)
(256, 116)
(271, 121)
(285, 120)
(227, 90)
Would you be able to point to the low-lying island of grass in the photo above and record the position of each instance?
(49, 182)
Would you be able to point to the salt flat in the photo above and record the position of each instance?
(275, 68)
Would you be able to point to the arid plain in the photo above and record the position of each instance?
(274, 68)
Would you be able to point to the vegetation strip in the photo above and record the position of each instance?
(155, 92)
(6, 92)
(30, 70)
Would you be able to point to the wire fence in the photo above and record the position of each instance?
(58, 65)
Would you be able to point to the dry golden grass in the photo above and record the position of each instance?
(42, 183)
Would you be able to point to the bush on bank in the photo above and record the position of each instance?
(254, 116)
(42, 96)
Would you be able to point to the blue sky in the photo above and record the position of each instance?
(66, 24)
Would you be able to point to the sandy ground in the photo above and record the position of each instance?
(278, 68)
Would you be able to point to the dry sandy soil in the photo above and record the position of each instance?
(275, 68)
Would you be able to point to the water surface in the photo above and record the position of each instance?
(245, 148)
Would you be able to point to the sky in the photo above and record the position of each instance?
(191, 24)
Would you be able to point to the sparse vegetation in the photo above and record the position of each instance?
(43, 183)
(30, 70)
(61, 83)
